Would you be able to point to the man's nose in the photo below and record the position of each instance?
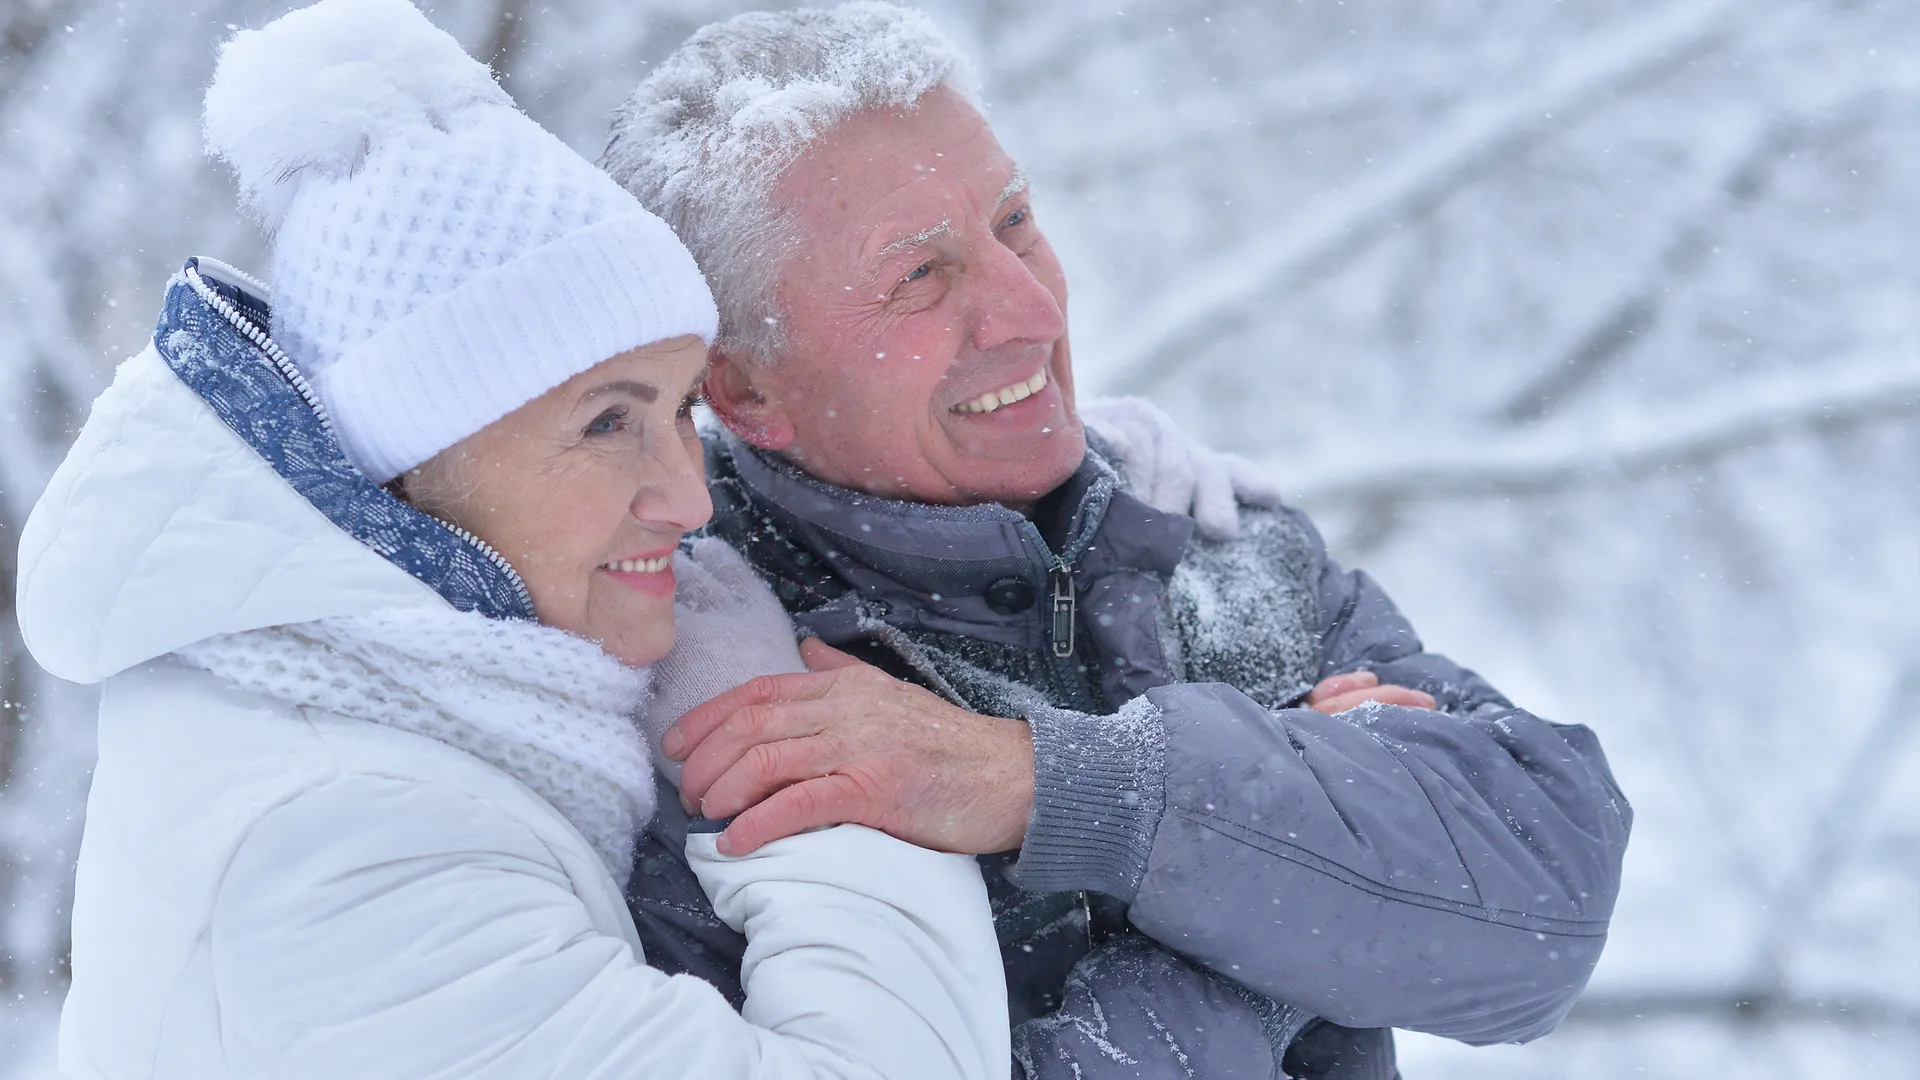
(1012, 305)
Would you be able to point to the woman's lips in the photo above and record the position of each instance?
(651, 574)
(641, 565)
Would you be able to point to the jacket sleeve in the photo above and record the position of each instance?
(1132, 1009)
(1448, 871)
(381, 927)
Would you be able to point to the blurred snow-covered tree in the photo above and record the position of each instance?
(1593, 328)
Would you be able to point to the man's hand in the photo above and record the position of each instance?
(1342, 692)
(848, 743)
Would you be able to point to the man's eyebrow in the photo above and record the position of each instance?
(646, 392)
(924, 236)
(1014, 186)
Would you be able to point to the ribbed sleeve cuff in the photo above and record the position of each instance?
(1099, 789)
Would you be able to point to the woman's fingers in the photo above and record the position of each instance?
(1251, 483)
(1174, 481)
(1215, 510)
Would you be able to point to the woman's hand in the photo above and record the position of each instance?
(728, 629)
(1174, 473)
(849, 743)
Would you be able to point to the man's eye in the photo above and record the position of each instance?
(919, 272)
(1018, 217)
(608, 422)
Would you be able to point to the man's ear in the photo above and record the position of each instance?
(745, 399)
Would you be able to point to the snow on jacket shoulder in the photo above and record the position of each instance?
(272, 888)
(1450, 870)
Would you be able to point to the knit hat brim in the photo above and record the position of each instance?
(478, 352)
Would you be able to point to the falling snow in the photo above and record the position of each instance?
(1591, 329)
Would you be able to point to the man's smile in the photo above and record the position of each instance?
(1006, 395)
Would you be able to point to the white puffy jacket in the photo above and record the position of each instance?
(274, 890)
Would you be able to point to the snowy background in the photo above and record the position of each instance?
(1591, 328)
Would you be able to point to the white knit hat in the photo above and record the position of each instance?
(439, 259)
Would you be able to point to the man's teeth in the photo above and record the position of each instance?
(640, 566)
(1006, 395)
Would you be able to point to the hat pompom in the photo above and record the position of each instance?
(311, 92)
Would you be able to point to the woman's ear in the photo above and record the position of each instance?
(747, 399)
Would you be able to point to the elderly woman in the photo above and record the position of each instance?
(372, 575)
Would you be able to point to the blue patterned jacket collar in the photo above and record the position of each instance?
(234, 372)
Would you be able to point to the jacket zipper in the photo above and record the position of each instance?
(1062, 611)
(284, 365)
(1064, 606)
(252, 332)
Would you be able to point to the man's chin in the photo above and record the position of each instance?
(1019, 482)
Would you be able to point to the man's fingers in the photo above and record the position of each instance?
(1383, 695)
(1332, 706)
(746, 728)
(828, 800)
(1401, 695)
(764, 769)
(687, 733)
(820, 657)
(1336, 685)
(691, 729)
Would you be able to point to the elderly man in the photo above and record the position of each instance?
(1235, 820)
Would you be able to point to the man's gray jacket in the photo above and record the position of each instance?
(1214, 878)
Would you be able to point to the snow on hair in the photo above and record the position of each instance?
(310, 92)
(703, 139)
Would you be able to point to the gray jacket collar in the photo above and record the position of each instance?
(919, 566)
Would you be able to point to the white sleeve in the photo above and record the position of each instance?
(382, 927)
(873, 953)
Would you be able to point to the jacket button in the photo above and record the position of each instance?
(1011, 596)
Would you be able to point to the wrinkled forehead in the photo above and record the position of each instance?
(881, 168)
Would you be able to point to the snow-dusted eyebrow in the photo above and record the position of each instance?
(924, 236)
(1014, 186)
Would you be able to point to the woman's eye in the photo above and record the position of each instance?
(608, 422)
(688, 404)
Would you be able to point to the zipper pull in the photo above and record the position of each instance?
(1063, 610)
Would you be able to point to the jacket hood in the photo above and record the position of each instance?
(207, 495)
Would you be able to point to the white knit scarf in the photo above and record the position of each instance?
(549, 709)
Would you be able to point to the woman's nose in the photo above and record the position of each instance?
(674, 491)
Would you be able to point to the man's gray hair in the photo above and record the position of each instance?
(703, 140)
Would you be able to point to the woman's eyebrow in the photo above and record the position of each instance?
(646, 392)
